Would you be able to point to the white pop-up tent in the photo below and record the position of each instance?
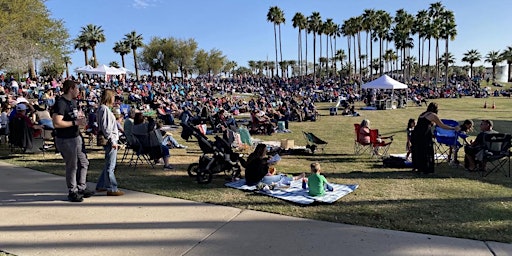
(84, 69)
(105, 70)
(384, 82)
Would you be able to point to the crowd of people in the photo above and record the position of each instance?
(117, 111)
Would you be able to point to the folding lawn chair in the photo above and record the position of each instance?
(446, 142)
(314, 142)
(496, 153)
(379, 146)
(359, 148)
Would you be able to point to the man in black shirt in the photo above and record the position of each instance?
(67, 122)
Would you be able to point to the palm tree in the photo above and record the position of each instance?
(419, 27)
(134, 41)
(276, 16)
(252, 65)
(300, 22)
(347, 32)
(471, 57)
(113, 64)
(314, 22)
(122, 48)
(382, 30)
(67, 61)
(329, 28)
(494, 58)
(94, 35)
(435, 12)
(81, 44)
(448, 32)
(507, 56)
(369, 25)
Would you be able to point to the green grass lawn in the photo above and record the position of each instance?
(451, 202)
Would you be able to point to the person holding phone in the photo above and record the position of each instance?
(67, 122)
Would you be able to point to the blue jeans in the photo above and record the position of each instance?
(269, 179)
(107, 179)
(170, 139)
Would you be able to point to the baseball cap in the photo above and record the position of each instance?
(21, 107)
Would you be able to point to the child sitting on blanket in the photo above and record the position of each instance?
(317, 183)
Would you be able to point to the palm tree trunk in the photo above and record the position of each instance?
(280, 48)
(446, 63)
(275, 45)
(419, 57)
(306, 62)
(428, 64)
(122, 60)
(135, 64)
(86, 57)
(94, 57)
(299, 51)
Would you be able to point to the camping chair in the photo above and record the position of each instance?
(142, 151)
(314, 142)
(379, 146)
(359, 148)
(21, 138)
(446, 142)
(496, 154)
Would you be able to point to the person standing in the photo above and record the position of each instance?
(107, 126)
(67, 122)
(422, 142)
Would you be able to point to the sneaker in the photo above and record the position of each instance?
(115, 193)
(86, 193)
(75, 197)
(168, 167)
(182, 146)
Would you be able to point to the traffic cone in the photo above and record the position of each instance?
(485, 104)
(493, 105)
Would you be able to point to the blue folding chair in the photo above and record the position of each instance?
(447, 142)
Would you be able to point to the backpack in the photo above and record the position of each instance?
(394, 162)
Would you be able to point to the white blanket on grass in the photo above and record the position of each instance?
(295, 193)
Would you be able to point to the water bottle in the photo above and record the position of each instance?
(304, 184)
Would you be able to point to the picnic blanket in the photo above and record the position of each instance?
(295, 193)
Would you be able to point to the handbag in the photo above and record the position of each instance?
(101, 140)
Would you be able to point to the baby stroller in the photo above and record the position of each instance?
(217, 157)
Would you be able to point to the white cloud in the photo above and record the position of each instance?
(141, 4)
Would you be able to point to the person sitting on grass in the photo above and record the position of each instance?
(258, 169)
(317, 183)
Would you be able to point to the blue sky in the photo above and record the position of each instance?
(239, 28)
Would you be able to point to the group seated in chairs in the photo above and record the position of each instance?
(24, 135)
(489, 152)
(370, 140)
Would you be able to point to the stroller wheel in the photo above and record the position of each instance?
(192, 170)
(204, 176)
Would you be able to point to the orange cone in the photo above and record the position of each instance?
(485, 104)
(493, 105)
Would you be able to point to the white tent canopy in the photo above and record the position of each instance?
(384, 82)
(100, 70)
(105, 70)
(84, 69)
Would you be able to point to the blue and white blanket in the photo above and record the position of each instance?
(296, 193)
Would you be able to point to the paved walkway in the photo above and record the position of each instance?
(36, 219)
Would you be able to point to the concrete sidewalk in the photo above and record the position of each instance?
(37, 219)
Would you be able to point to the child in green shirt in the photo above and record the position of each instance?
(317, 183)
